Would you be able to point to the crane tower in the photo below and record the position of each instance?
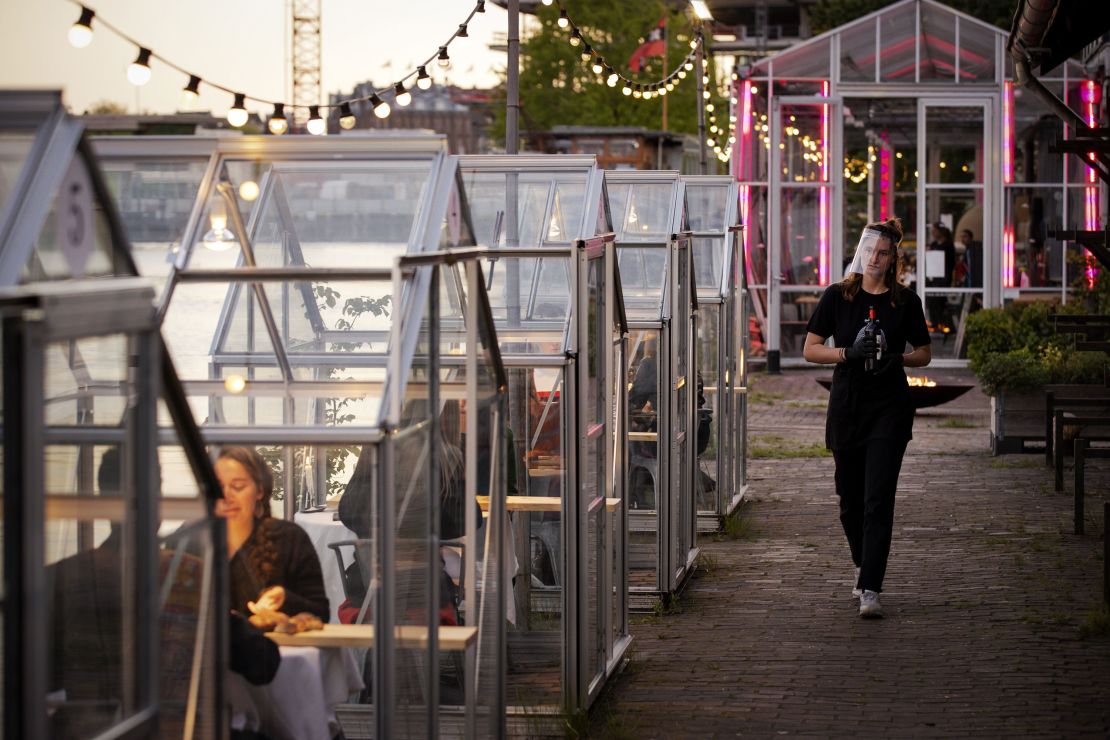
(305, 57)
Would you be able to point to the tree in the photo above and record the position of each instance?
(106, 107)
(828, 14)
(558, 88)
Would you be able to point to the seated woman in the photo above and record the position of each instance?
(271, 563)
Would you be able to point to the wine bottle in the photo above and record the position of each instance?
(871, 331)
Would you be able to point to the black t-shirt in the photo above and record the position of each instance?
(865, 405)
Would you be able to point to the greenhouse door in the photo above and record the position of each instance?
(957, 204)
(805, 190)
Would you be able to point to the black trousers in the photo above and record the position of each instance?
(866, 480)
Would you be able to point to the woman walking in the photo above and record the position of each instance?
(871, 318)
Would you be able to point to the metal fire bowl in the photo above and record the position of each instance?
(924, 396)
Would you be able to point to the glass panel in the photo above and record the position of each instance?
(709, 255)
(954, 145)
(950, 212)
(644, 484)
(949, 312)
(1083, 97)
(755, 143)
(1036, 129)
(706, 207)
(938, 45)
(803, 256)
(976, 52)
(803, 146)
(1038, 259)
(810, 62)
(641, 212)
(857, 52)
(1083, 213)
(753, 211)
(530, 302)
(154, 200)
(549, 206)
(796, 309)
(897, 58)
(711, 358)
(13, 153)
(643, 271)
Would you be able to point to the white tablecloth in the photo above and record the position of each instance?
(322, 529)
(299, 703)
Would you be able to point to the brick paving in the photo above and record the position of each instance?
(986, 594)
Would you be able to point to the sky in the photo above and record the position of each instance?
(241, 44)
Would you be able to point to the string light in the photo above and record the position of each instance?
(138, 73)
(237, 114)
(80, 33)
(315, 125)
(381, 108)
(401, 96)
(278, 124)
(192, 90)
(575, 37)
(347, 118)
(596, 67)
(563, 20)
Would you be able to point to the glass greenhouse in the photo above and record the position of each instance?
(649, 216)
(912, 112)
(556, 299)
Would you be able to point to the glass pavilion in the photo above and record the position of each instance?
(556, 298)
(714, 219)
(114, 600)
(649, 216)
(910, 111)
(311, 315)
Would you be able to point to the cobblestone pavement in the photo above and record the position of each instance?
(987, 596)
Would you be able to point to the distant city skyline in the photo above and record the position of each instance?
(240, 44)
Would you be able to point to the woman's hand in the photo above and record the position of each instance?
(271, 599)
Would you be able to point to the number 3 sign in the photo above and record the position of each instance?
(75, 218)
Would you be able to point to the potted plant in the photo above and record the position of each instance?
(1015, 353)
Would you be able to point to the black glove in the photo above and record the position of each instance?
(865, 348)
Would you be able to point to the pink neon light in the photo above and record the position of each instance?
(1008, 132)
(1008, 256)
(745, 165)
(884, 183)
(823, 196)
(1089, 94)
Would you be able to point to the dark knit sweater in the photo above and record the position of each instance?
(296, 568)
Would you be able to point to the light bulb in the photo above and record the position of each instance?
(626, 90)
(381, 108)
(709, 107)
(575, 38)
(661, 91)
(710, 142)
(670, 87)
(237, 114)
(689, 66)
(647, 94)
(547, 2)
(612, 81)
(316, 125)
(597, 68)
(347, 118)
(218, 238)
(80, 33)
(563, 20)
(587, 53)
(712, 129)
(443, 60)
(401, 96)
(248, 191)
(705, 79)
(191, 91)
(278, 124)
(235, 384)
(693, 43)
(706, 95)
(423, 79)
(138, 72)
(636, 93)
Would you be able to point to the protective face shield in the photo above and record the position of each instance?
(868, 240)
(867, 243)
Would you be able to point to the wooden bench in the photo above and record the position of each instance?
(1084, 423)
(1068, 397)
(1083, 453)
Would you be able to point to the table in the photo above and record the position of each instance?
(299, 703)
(407, 636)
(323, 529)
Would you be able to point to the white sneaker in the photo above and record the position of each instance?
(869, 606)
(856, 590)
